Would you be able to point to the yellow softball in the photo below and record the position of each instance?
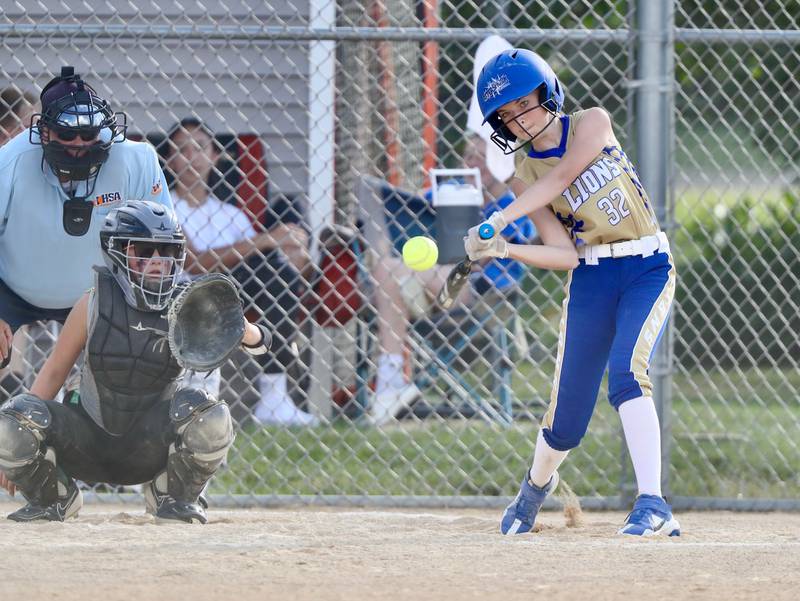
(420, 253)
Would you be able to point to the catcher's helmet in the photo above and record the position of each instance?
(508, 76)
(71, 108)
(135, 232)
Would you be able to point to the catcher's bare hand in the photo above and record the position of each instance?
(7, 484)
(257, 339)
(252, 335)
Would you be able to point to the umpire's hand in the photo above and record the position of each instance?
(5, 351)
(6, 336)
(7, 484)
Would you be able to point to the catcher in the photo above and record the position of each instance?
(127, 423)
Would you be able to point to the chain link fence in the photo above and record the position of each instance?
(326, 119)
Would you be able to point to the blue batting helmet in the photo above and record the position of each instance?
(511, 75)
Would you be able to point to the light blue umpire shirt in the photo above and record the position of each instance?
(39, 261)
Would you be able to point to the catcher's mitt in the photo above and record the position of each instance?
(206, 323)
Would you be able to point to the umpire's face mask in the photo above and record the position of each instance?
(75, 157)
(76, 143)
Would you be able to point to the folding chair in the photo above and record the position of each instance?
(336, 304)
(390, 217)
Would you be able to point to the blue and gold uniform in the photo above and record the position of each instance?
(606, 202)
(618, 299)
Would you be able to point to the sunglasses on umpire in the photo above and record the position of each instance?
(70, 135)
(146, 250)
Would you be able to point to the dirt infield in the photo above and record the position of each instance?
(117, 553)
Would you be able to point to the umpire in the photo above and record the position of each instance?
(58, 181)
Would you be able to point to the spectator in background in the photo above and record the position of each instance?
(401, 293)
(266, 262)
(16, 109)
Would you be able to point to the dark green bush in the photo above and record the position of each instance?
(738, 295)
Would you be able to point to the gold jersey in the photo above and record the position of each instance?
(606, 202)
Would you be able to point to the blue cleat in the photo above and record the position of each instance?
(651, 516)
(520, 515)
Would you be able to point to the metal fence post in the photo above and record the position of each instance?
(653, 126)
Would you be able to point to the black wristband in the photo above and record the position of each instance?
(262, 346)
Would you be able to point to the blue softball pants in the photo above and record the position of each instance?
(613, 315)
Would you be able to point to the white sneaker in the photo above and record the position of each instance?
(276, 406)
(285, 414)
(389, 402)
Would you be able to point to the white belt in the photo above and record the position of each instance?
(643, 247)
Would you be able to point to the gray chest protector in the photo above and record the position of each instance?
(128, 367)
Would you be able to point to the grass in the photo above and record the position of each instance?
(720, 447)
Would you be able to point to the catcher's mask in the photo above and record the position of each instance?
(145, 249)
(76, 129)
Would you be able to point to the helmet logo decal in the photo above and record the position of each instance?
(496, 85)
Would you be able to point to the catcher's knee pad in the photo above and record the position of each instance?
(203, 424)
(23, 422)
(204, 433)
(24, 457)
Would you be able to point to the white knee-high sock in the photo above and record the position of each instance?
(643, 437)
(545, 461)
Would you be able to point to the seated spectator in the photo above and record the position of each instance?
(402, 293)
(16, 109)
(221, 237)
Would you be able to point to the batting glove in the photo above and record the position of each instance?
(497, 223)
(496, 247)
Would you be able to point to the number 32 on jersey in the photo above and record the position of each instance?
(614, 206)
